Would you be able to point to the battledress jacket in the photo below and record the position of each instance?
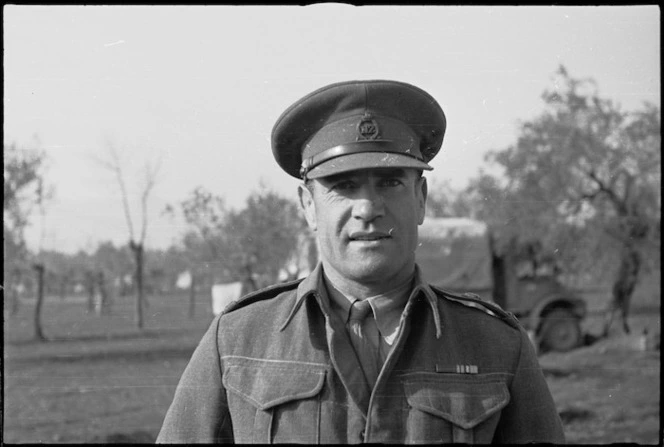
(278, 366)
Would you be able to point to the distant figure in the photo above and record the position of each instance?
(89, 284)
(102, 298)
(363, 349)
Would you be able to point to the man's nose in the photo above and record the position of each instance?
(369, 205)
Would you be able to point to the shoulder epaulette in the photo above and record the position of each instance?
(473, 300)
(260, 295)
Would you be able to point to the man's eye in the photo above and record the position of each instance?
(391, 182)
(344, 185)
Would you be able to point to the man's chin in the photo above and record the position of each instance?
(373, 272)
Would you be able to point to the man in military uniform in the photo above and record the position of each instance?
(363, 349)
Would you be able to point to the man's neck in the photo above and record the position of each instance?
(362, 290)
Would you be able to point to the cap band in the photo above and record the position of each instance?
(352, 148)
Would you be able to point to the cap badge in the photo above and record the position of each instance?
(367, 129)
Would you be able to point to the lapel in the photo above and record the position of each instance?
(341, 352)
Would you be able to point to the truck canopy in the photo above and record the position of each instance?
(455, 254)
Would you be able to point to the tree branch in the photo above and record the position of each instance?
(150, 177)
(116, 167)
(620, 206)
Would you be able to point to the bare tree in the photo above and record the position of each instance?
(136, 239)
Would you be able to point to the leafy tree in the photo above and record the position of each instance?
(166, 266)
(583, 177)
(252, 244)
(116, 262)
(109, 265)
(261, 238)
(205, 212)
(60, 272)
(202, 245)
(14, 267)
(445, 201)
(23, 181)
(22, 173)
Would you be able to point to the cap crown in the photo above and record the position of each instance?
(358, 124)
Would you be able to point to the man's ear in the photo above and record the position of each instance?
(421, 190)
(307, 205)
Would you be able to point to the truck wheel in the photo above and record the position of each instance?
(560, 331)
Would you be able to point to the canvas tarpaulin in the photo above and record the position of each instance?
(455, 254)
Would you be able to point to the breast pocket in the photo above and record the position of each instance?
(453, 407)
(272, 401)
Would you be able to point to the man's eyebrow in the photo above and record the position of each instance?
(339, 177)
(377, 172)
(391, 172)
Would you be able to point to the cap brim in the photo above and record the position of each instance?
(366, 160)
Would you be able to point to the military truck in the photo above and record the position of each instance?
(457, 254)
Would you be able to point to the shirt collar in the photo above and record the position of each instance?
(388, 309)
(314, 286)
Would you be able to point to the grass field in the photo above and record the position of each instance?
(100, 380)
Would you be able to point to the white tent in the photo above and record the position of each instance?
(184, 280)
(225, 294)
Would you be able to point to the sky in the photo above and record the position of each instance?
(196, 90)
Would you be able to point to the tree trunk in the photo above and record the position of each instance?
(14, 300)
(90, 289)
(192, 297)
(138, 257)
(39, 333)
(14, 293)
(623, 287)
(64, 282)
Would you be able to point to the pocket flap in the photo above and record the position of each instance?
(267, 383)
(464, 401)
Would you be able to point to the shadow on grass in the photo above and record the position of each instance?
(136, 346)
(575, 414)
(134, 356)
(137, 437)
(134, 335)
(558, 372)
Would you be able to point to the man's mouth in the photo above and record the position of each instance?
(369, 237)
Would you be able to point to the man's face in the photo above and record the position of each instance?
(366, 223)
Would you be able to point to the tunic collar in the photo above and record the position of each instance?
(387, 308)
(314, 286)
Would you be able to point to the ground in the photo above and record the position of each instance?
(608, 392)
(100, 380)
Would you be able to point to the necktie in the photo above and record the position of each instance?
(364, 336)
